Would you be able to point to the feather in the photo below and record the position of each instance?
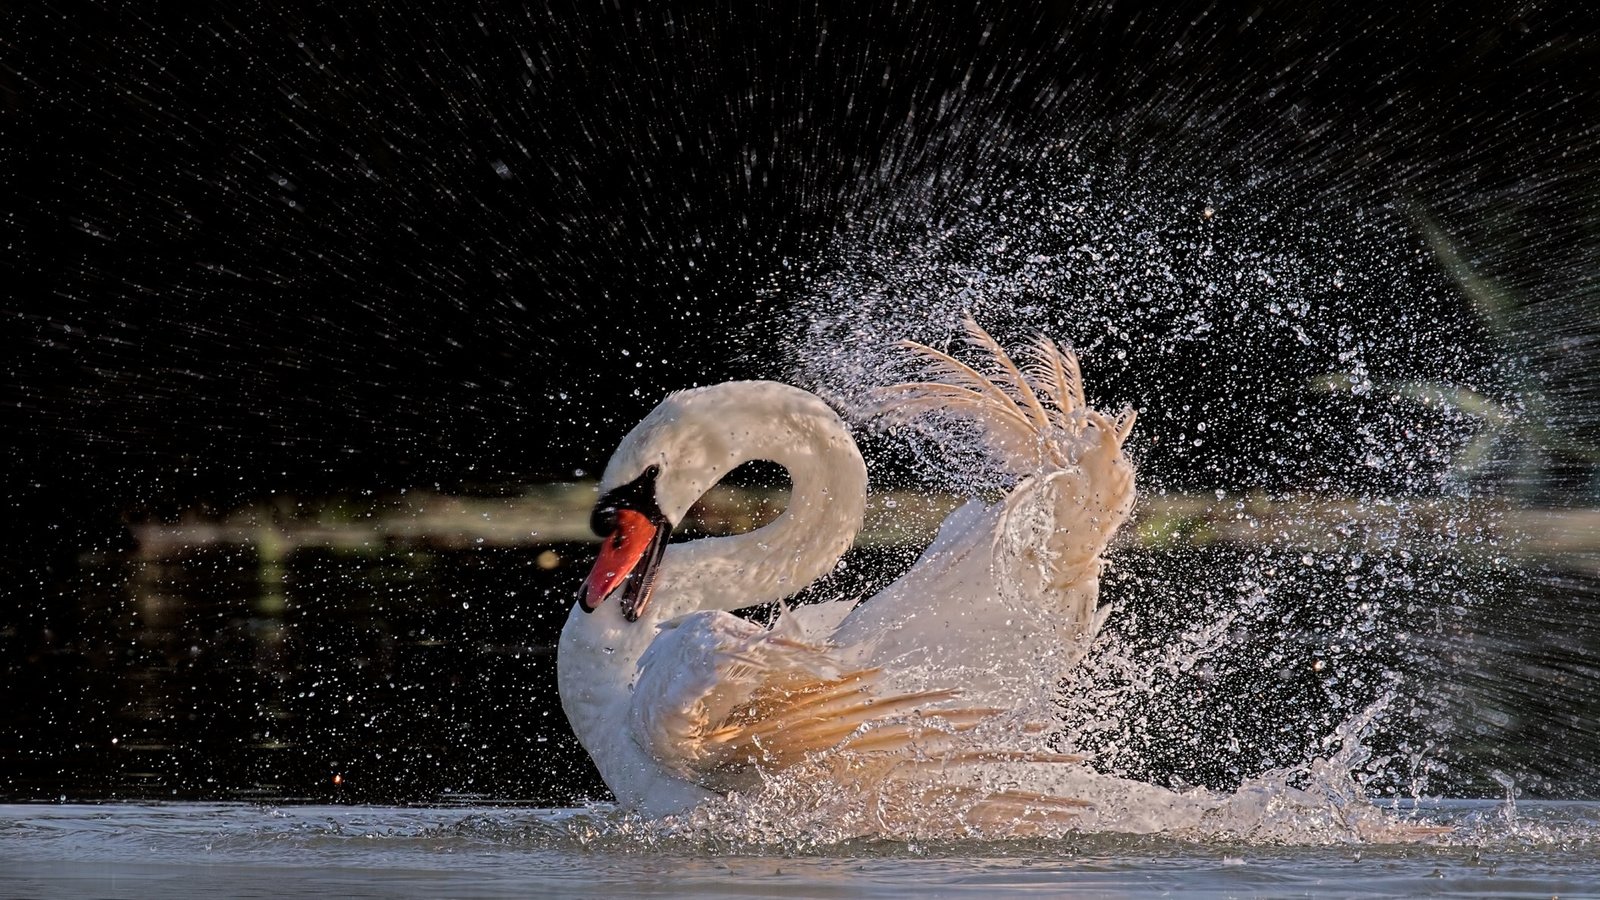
(1007, 431)
(1009, 378)
(1054, 373)
(1125, 422)
(812, 622)
(1032, 416)
(959, 374)
(1074, 379)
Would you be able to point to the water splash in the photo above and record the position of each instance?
(1309, 311)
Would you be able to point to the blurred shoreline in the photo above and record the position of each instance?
(558, 513)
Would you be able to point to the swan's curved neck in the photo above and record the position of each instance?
(819, 524)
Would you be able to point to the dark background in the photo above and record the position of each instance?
(265, 251)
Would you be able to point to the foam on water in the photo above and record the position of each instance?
(154, 831)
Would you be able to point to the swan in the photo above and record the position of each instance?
(678, 452)
(943, 682)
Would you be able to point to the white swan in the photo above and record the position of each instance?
(938, 680)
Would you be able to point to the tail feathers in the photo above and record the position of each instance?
(1034, 415)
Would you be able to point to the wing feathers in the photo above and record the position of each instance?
(1007, 376)
(1033, 415)
(1054, 373)
(777, 735)
(720, 699)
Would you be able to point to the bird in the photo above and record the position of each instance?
(937, 692)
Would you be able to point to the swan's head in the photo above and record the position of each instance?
(633, 535)
(677, 453)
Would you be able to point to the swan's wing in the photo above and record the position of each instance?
(1054, 530)
(814, 623)
(1077, 483)
(719, 700)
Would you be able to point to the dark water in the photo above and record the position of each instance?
(403, 675)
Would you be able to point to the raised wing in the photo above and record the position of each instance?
(1021, 578)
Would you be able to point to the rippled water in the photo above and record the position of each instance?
(1544, 850)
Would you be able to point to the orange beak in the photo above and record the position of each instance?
(628, 559)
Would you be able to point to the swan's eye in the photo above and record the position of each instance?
(638, 495)
(604, 521)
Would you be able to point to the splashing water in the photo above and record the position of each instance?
(1230, 668)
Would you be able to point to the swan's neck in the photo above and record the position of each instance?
(819, 524)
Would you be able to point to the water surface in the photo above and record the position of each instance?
(238, 850)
